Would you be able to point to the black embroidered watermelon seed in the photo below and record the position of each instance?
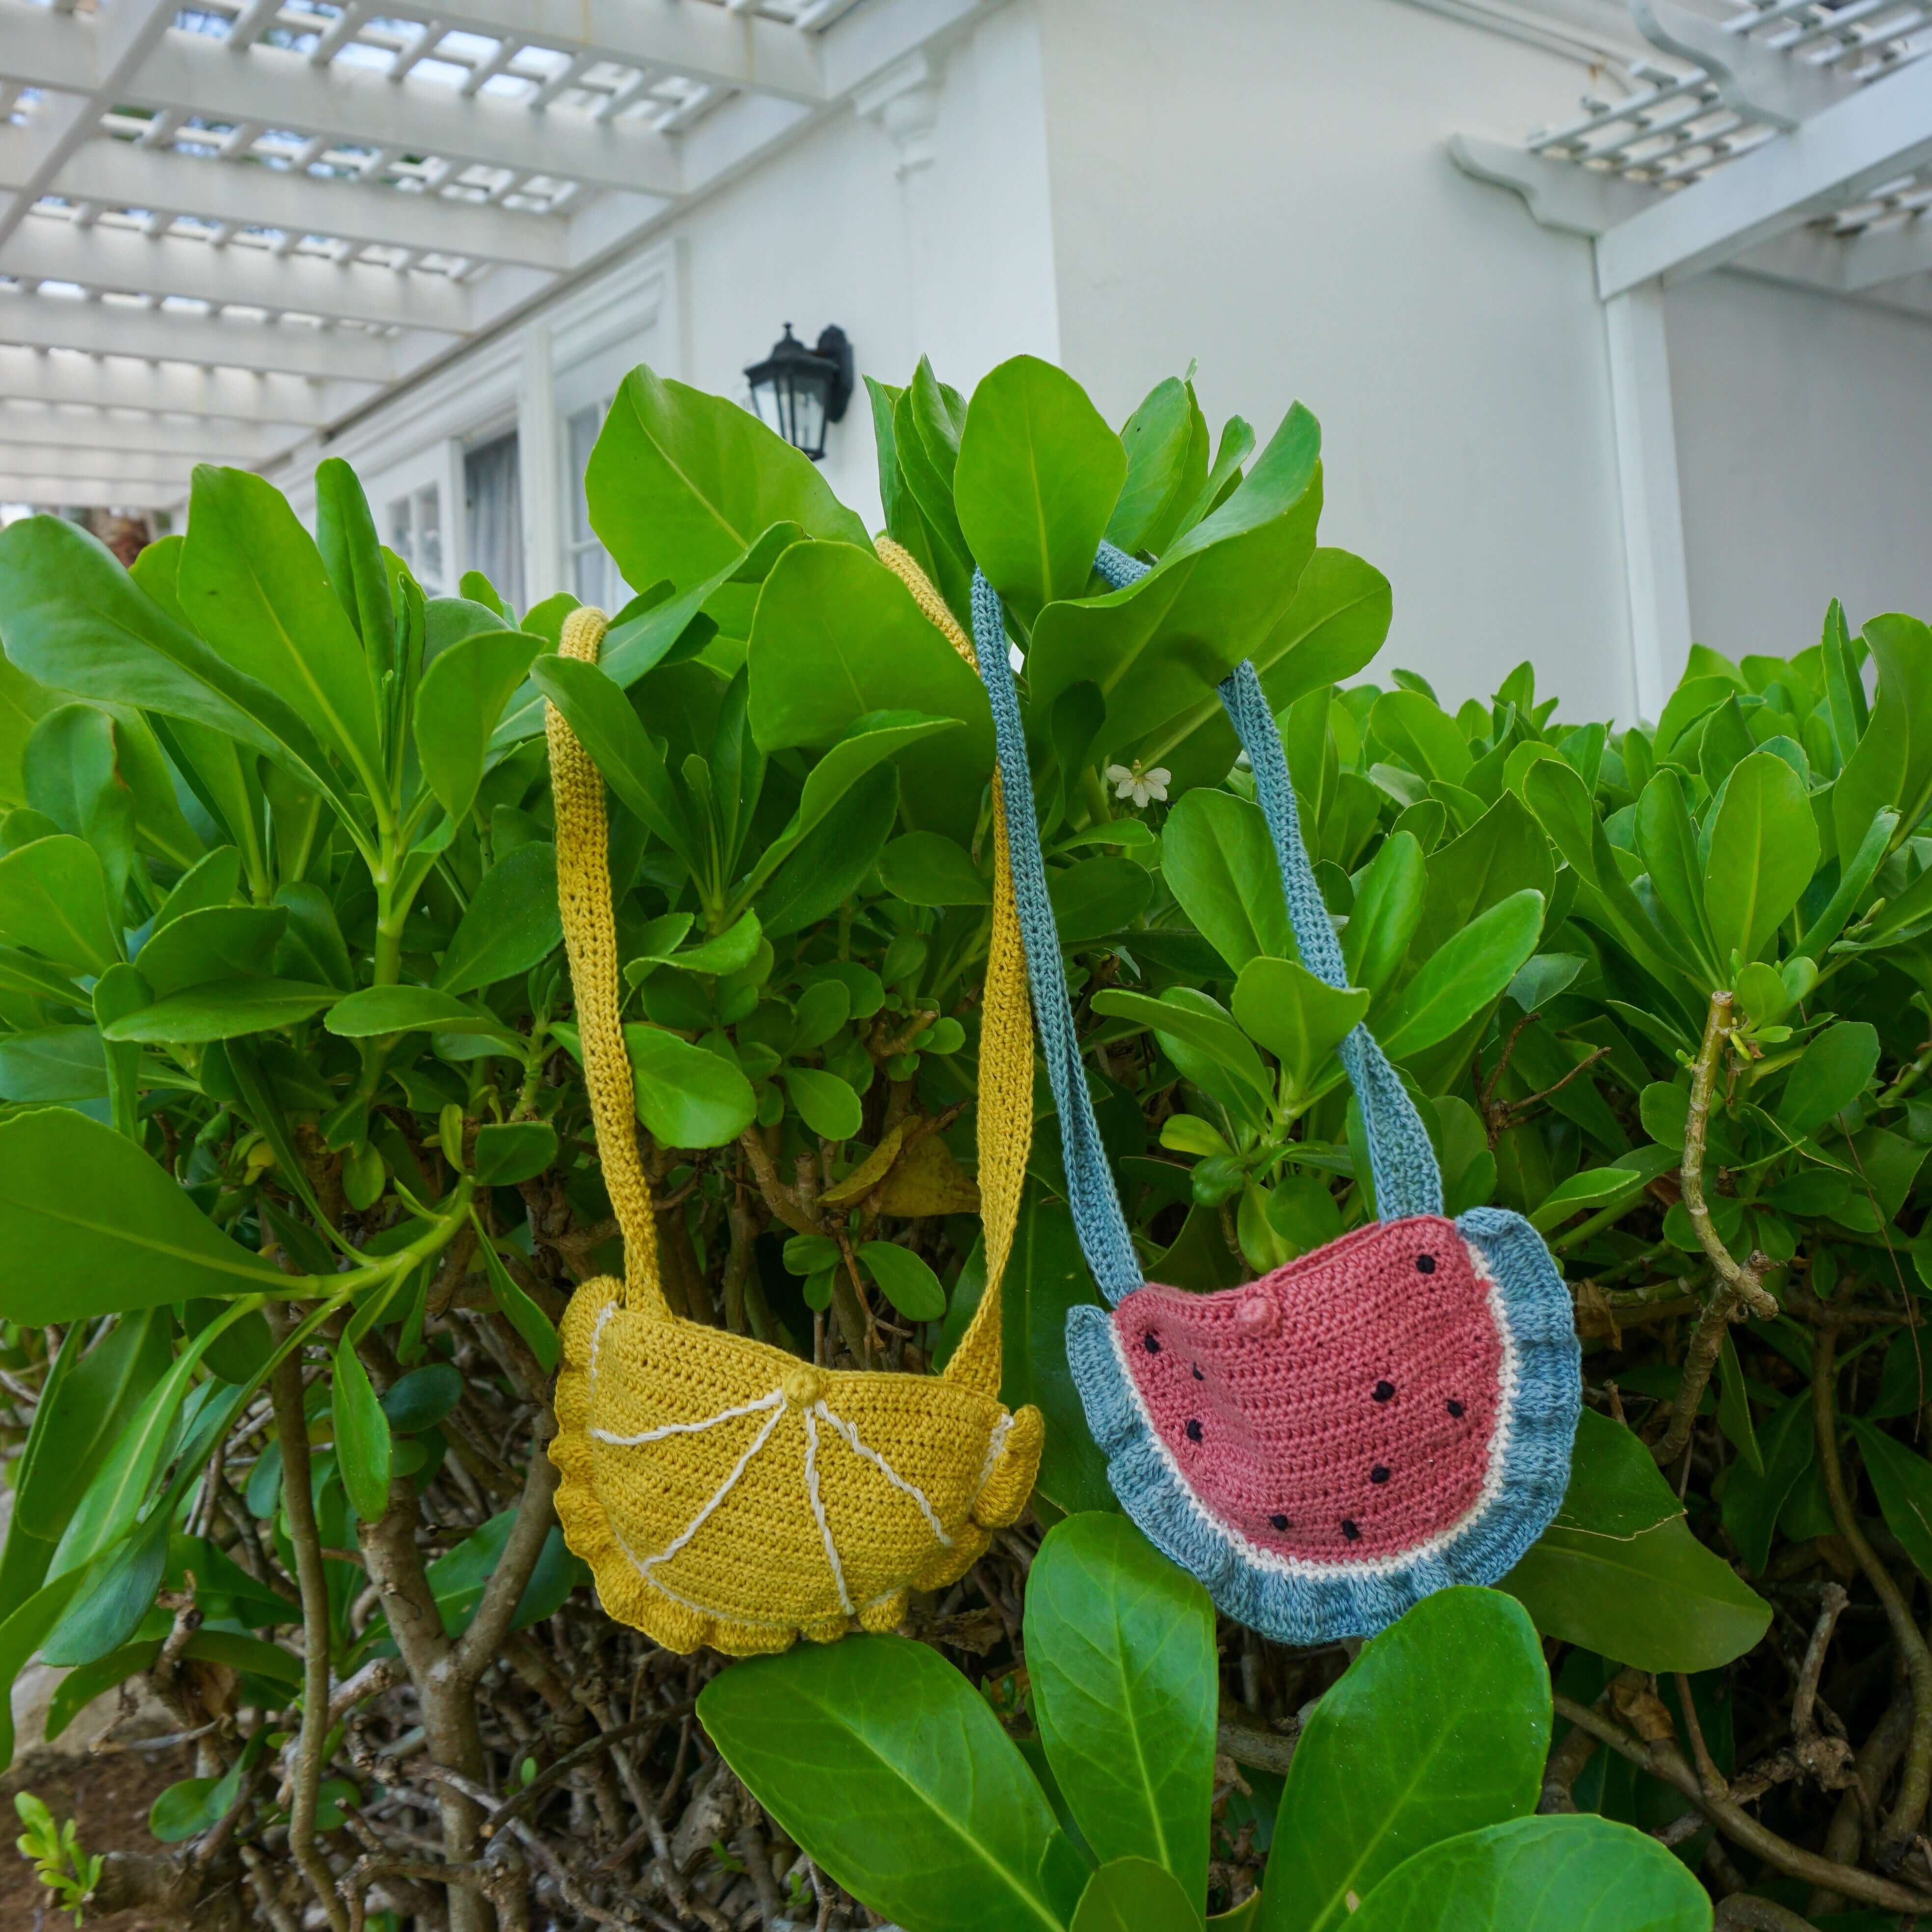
(1348, 1529)
(1384, 1391)
(1150, 1342)
(1455, 1407)
(1379, 1474)
(1198, 1375)
(1193, 1430)
(1279, 1522)
(1425, 1264)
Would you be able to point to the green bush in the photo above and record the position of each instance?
(296, 1172)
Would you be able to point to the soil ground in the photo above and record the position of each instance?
(109, 1797)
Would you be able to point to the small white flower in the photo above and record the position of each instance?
(1140, 786)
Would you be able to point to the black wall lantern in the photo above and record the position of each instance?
(797, 391)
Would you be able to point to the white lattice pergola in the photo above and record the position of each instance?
(1790, 140)
(224, 226)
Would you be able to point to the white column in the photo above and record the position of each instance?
(539, 459)
(1646, 432)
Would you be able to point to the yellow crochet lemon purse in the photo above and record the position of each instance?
(722, 1491)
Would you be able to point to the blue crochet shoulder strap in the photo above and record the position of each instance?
(1407, 1181)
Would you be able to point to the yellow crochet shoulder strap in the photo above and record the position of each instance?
(1005, 1124)
(590, 941)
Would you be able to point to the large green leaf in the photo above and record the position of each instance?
(1667, 841)
(461, 699)
(1300, 1019)
(1440, 1726)
(83, 1415)
(1038, 476)
(1656, 1600)
(882, 1761)
(362, 1445)
(828, 865)
(130, 1238)
(1135, 1895)
(253, 584)
(837, 637)
(511, 925)
(1764, 849)
(1832, 1071)
(71, 617)
(1892, 764)
(1156, 650)
(72, 776)
(1420, 733)
(1329, 630)
(218, 942)
(1120, 1647)
(50, 1064)
(223, 1009)
(345, 533)
(1616, 1488)
(1165, 440)
(1387, 909)
(681, 483)
(1219, 861)
(1580, 1874)
(1466, 975)
(53, 901)
(1505, 851)
(1903, 1481)
(688, 1097)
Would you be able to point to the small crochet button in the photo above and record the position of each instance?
(803, 1385)
(1340, 1410)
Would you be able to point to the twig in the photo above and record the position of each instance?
(1662, 1760)
(299, 1505)
(1915, 1782)
(479, 1644)
(1735, 1286)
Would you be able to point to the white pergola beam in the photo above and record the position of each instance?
(1883, 130)
(73, 426)
(109, 329)
(123, 174)
(174, 388)
(118, 259)
(119, 45)
(741, 50)
(18, 486)
(32, 459)
(194, 74)
(1752, 78)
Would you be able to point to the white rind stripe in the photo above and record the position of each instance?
(886, 1469)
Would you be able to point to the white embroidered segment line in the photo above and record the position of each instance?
(724, 1489)
(886, 1469)
(818, 1505)
(775, 1400)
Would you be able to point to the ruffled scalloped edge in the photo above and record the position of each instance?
(683, 1627)
(1295, 1607)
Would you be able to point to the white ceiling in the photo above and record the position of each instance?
(223, 226)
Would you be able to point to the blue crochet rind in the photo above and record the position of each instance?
(1306, 1604)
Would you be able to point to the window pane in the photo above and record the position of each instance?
(584, 427)
(399, 531)
(429, 535)
(495, 526)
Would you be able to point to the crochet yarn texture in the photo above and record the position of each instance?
(1388, 1415)
(723, 1491)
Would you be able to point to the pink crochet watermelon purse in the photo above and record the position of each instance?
(1388, 1415)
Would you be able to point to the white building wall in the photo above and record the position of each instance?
(1262, 184)
(1804, 426)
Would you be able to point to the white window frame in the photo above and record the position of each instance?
(438, 467)
(589, 383)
